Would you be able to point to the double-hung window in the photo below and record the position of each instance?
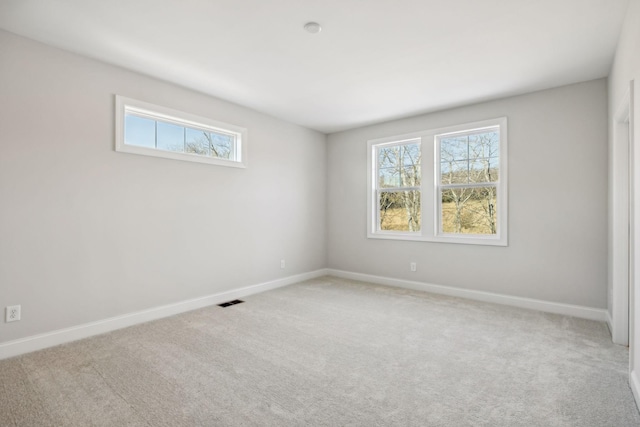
(143, 128)
(444, 185)
(398, 186)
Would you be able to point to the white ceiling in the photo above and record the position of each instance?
(374, 60)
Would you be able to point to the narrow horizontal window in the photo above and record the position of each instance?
(143, 128)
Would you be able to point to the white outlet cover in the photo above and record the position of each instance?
(12, 313)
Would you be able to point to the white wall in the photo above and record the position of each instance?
(626, 67)
(87, 233)
(557, 202)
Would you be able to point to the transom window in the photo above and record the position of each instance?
(143, 128)
(444, 185)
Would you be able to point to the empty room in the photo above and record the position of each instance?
(292, 213)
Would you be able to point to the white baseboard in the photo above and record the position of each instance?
(634, 382)
(61, 336)
(533, 304)
(610, 324)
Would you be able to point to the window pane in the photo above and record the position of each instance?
(139, 131)
(399, 210)
(170, 137)
(389, 167)
(399, 166)
(484, 144)
(411, 176)
(454, 148)
(388, 157)
(454, 172)
(411, 158)
(484, 170)
(470, 158)
(221, 145)
(197, 142)
(469, 210)
(410, 155)
(388, 178)
(210, 143)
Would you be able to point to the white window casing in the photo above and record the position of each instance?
(490, 182)
(153, 130)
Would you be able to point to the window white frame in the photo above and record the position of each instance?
(374, 194)
(162, 114)
(430, 186)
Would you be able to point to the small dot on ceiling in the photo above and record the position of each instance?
(312, 27)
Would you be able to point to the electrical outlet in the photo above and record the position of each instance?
(13, 313)
(282, 263)
(413, 266)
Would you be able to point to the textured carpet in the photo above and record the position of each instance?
(330, 352)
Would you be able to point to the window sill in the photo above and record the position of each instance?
(466, 240)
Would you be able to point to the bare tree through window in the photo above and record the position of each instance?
(469, 167)
(399, 180)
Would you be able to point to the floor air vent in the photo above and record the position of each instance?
(227, 304)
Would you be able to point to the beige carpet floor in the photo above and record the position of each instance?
(330, 352)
